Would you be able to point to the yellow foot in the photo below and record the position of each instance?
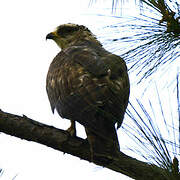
(72, 131)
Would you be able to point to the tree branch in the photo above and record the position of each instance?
(26, 128)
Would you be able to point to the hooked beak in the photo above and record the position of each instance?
(51, 35)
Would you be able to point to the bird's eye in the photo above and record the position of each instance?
(65, 30)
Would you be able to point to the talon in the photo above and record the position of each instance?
(72, 129)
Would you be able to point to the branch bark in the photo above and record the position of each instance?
(26, 128)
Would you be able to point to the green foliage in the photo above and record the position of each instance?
(157, 138)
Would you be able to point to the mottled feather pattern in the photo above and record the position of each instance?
(89, 85)
(84, 81)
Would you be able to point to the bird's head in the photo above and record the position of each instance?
(66, 35)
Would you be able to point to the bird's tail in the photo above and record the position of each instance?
(102, 148)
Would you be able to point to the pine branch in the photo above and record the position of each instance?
(168, 15)
(26, 128)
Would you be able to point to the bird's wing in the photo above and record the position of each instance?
(90, 60)
(101, 63)
(98, 63)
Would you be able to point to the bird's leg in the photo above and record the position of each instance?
(72, 128)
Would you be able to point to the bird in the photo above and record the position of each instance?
(87, 84)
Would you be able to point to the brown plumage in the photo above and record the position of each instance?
(87, 84)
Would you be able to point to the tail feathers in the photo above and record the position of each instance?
(103, 147)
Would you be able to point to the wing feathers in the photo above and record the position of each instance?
(81, 83)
